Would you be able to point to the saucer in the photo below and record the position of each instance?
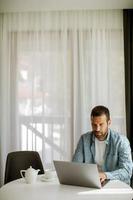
(43, 178)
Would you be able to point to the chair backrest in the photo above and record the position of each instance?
(21, 160)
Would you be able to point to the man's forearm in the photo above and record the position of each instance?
(120, 174)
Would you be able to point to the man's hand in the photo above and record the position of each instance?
(103, 177)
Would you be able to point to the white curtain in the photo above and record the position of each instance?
(54, 67)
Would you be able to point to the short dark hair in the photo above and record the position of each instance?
(100, 110)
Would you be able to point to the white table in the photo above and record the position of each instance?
(19, 190)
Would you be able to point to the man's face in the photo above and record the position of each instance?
(100, 126)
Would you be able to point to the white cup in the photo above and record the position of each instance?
(50, 174)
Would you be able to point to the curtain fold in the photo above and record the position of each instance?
(128, 52)
(55, 67)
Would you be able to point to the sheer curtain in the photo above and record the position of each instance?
(54, 67)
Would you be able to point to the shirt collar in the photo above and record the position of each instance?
(108, 136)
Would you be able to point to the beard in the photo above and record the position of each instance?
(100, 135)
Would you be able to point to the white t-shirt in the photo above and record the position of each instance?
(99, 152)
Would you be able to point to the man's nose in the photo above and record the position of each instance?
(97, 128)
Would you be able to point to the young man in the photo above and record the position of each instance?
(105, 147)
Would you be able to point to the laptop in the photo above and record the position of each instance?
(79, 174)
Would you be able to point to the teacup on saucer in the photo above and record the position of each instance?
(49, 175)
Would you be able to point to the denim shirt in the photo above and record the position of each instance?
(117, 158)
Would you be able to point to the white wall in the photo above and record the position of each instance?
(40, 5)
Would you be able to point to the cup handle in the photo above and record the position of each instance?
(21, 172)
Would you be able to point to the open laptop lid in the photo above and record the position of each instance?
(80, 174)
